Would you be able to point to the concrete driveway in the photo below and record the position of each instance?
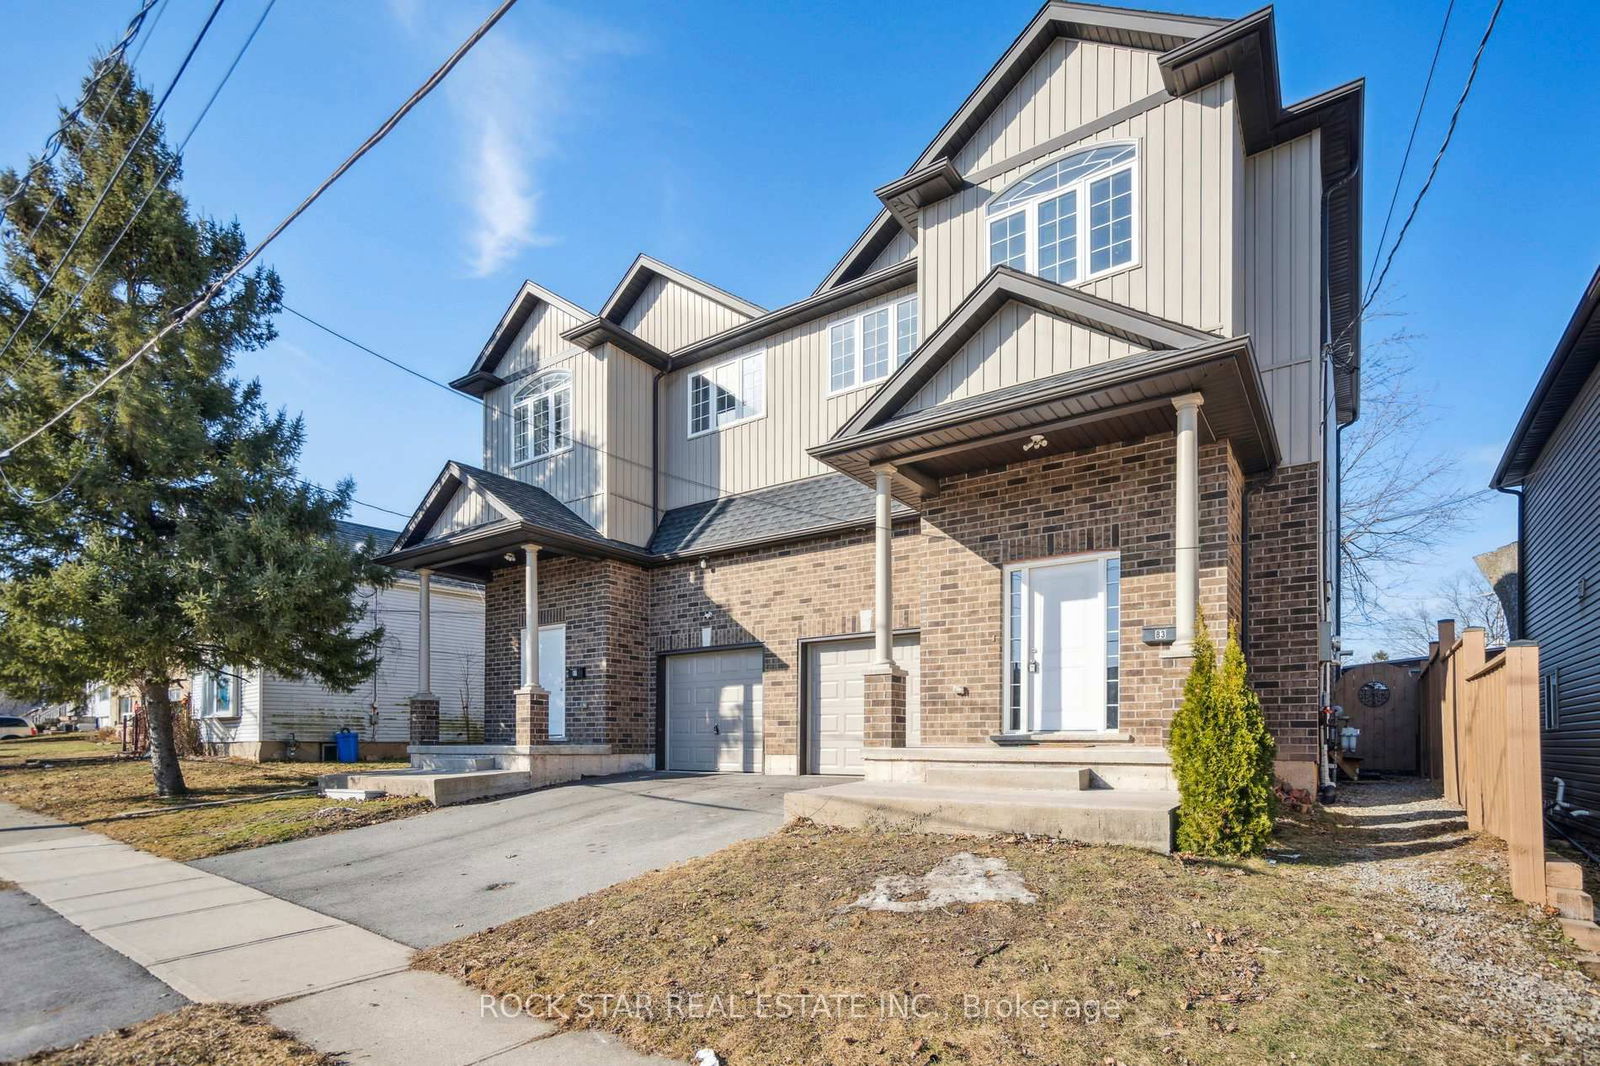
(454, 871)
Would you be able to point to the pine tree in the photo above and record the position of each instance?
(1221, 755)
(160, 529)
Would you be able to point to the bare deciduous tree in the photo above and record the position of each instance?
(1464, 596)
(1401, 493)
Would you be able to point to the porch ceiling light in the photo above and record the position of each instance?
(511, 557)
(1035, 441)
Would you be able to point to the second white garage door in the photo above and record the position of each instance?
(714, 711)
(835, 678)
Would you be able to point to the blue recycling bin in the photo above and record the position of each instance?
(347, 746)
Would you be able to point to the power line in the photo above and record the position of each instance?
(54, 142)
(111, 182)
(597, 449)
(184, 315)
(1444, 145)
(1412, 139)
(155, 185)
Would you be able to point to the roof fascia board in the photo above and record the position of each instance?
(633, 282)
(906, 197)
(814, 306)
(594, 332)
(1004, 284)
(1071, 137)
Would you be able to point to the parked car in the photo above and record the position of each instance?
(11, 728)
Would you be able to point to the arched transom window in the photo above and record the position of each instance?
(1069, 220)
(541, 420)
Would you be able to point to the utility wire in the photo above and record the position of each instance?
(127, 156)
(597, 449)
(1412, 139)
(155, 186)
(184, 315)
(54, 142)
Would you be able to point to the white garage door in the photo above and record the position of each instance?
(714, 711)
(836, 672)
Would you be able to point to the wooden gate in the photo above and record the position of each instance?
(1382, 700)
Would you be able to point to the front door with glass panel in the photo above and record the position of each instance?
(1062, 644)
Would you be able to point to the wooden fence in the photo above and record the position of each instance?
(1481, 740)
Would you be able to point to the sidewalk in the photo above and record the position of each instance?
(338, 987)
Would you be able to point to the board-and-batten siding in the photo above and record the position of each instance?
(1018, 343)
(902, 247)
(629, 514)
(1282, 267)
(576, 476)
(670, 315)
(273, 707)
(1189, 210)
(769, 450)
(464, 510)
(1561, 586)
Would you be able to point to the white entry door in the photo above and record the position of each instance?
(1058, 646)
(553, 675)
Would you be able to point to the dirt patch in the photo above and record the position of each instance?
(192, 1036)
(92, 784)
(1125, 957)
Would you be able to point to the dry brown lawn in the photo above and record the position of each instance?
(1199, 962)
(84, 782)
(191, 1036)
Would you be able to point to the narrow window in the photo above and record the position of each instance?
(541, 421)
(875, 344)
(905, 330)
(1014, 662)
(1058, 238)
(1113, 638)
(842, 356)
(519, 433)
(1111, 221)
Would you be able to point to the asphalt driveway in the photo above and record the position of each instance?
(454, 871)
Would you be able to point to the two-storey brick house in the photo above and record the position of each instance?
(1082, 374)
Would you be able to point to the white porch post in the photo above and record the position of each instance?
(530, 607)
(1186, 535)
(883, 570)
(425, 631)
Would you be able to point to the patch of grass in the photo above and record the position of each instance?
(89, 787)
(1244, 961)
(211, 1035)
(54, 747)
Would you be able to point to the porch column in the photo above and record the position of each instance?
(532, 702)
(1186, 510)
(883, 570)
(424, 631)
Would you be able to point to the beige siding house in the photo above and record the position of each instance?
(943, 525)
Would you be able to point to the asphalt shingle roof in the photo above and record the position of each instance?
(783, 510)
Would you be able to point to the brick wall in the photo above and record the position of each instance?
(1284, 610)
(1113, 498)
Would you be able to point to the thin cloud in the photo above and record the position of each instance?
(511, 100)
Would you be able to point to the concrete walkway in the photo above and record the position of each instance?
(340, 988)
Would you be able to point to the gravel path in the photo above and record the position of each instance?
(1403, 838)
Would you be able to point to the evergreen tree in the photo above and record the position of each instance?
(1221, 755)
(160, 529)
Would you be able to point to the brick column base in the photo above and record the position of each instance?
(533, 717)
(424, 719)
(884, 706)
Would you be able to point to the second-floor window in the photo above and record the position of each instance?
(1070, 220)
(729, 392)
(867, 347)
(541, 420)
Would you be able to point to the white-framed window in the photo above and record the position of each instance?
(216, 695)
(1070, 220)
(730, 392)
(867, 347)
(541, 418)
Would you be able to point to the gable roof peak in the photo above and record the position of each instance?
(481, 378)
(646, 267)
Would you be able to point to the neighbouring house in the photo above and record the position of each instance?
(257, 714)
(949, 516)
(1550, 465)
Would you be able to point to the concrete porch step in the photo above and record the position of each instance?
(458, 764)
(441, 789)
(1061, 778)
(1141, 819)
(1125, 767)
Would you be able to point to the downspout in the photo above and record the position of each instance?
(1519, 620)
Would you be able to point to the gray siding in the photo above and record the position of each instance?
(1561, 589)
(769, 450)
(1282, 268)
(1018, 344)
(670, 315)
(898, 250)
(1190, 191)
(629, 513)
(576, 477)
(464, 510)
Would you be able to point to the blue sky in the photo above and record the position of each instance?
(742, 142)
